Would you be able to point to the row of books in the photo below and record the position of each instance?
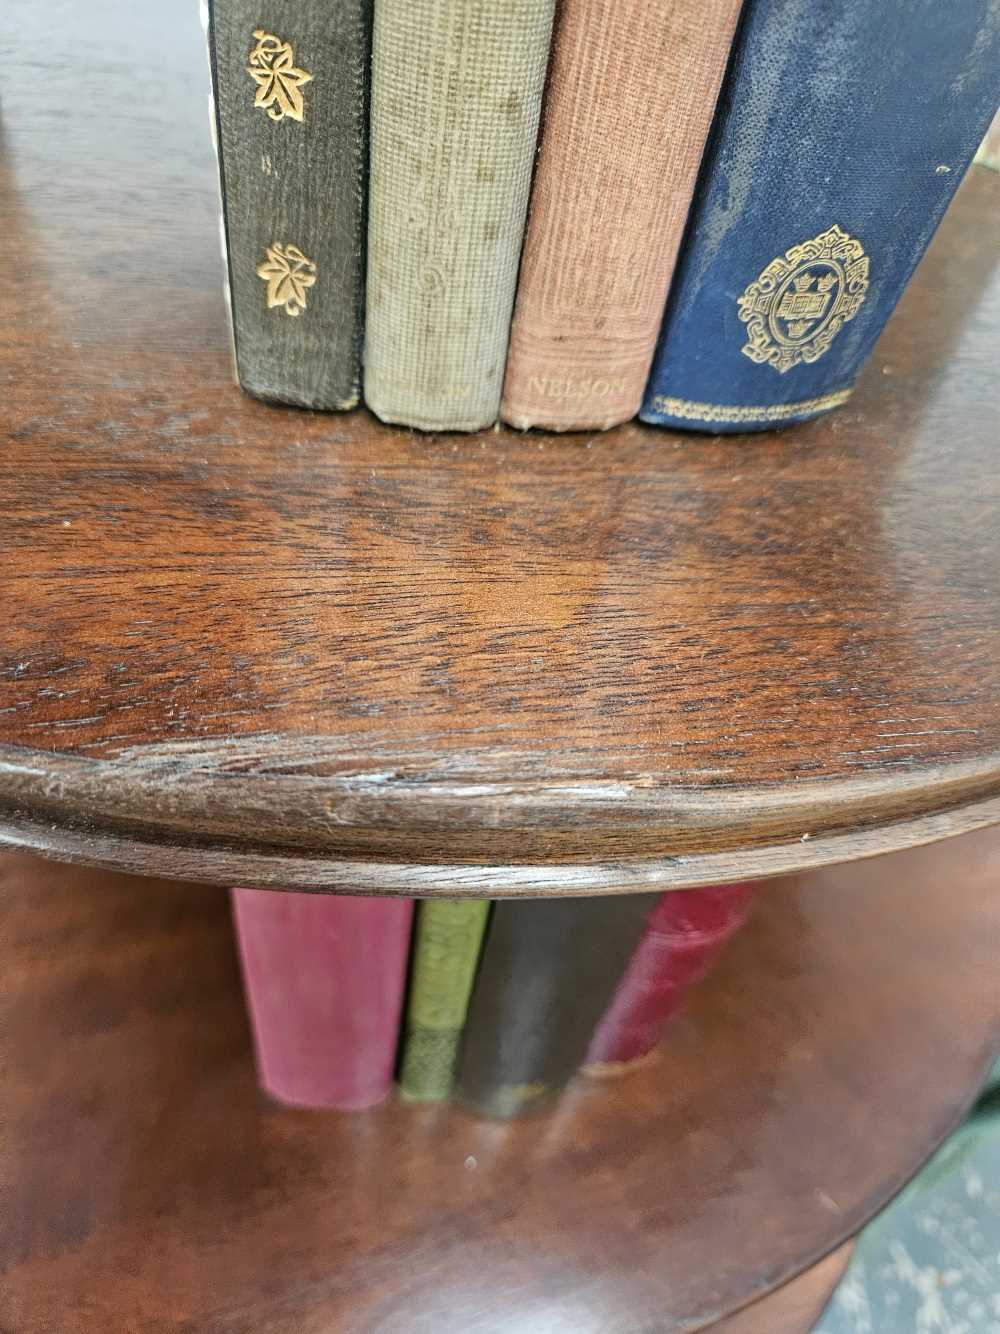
(796, 155)
(495, 1004)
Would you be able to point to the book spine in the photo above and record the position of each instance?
(686, 932)
(291, 119)
(844, 128)
(629, 101)
(548, 971)
(456, 92)
(449, 935)
(324, 977)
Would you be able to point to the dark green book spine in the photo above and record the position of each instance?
(290, 84)
(448, 940)
(548, 971)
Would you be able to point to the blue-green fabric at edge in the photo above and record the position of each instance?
(930, 1262)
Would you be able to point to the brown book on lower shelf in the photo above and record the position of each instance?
(631, 92)
(548, 971)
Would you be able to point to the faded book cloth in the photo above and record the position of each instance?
(844, 129)
(291, 125)
(456, 92)
(548, 971)
(449, 936)
(630, 97)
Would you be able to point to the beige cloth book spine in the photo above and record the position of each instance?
(631, 94)
(456, 92)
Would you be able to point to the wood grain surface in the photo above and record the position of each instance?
(149, 1189)
(261, 646)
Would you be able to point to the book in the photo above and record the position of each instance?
(448, 937)
(456, 92)
(685, 934)
(548, 971)
(324, 977)
(629, 101)
(843, 130)
(290, 85)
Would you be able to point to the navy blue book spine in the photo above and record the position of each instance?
(843, 130)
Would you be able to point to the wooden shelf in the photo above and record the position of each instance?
(150, 1188)
(247, 644)
(252, 645)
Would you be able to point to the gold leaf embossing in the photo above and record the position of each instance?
(288, 275)
(279, 82)
(795, 308)
(733, 413)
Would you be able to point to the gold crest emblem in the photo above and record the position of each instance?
(801, 301)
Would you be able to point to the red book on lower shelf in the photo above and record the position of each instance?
(685, 933)
(324, 977)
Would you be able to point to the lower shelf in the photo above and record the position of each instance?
(795, 1307)
(152, 1189)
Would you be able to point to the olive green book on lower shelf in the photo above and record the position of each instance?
(448, 941)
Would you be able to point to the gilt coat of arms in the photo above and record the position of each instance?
(801, 301)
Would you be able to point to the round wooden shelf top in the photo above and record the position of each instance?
(251, 644)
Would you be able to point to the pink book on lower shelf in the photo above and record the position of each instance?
(324, 977)
(686, 932)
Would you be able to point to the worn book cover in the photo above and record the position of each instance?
(324, 976)
(448, 936)
(291, 118)
(844, 129)
(548, 971)
(685, 934)
(456, 91)
(629, 101)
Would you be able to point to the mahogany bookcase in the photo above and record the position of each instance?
(250, 645)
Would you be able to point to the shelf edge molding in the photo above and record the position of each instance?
(333, 826)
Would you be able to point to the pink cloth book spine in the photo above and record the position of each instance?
(685, 934)
(324, 977)
(631, 91)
